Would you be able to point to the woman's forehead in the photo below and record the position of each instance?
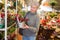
(34, 6)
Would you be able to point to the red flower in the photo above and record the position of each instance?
(58, 20)
(2, 15)
(20, 18)
(26, 19)
(43, 21)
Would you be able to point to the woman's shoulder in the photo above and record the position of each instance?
(28, 12)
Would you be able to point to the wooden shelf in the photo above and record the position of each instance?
(11, 25)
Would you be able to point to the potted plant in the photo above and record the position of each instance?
(53, 3)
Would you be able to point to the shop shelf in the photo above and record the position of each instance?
(2, 29)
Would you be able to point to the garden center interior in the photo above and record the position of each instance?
(48, 11)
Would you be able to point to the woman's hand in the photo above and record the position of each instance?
(26, 26)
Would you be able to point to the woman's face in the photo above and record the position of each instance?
(33, 8)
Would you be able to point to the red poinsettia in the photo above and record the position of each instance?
(43, 21)
(2, 15)
(58, 20)
(21, 19)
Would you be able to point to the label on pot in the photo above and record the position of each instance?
(21, 25)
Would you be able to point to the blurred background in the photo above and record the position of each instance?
(48, 9)
(2, 19)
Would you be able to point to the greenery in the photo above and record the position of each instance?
(52, 15)
(1, 35)
(10, 19)
(1, 5)
(11, 30)
(22, 13)
(53, 3)
(19, 7)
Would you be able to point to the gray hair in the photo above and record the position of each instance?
(35, 4)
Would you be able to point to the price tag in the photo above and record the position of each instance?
(21, 25)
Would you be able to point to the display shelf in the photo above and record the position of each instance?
(11, 32)
(11, 36)
(2, 29)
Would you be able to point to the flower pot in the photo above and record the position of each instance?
(1, 25)
(21, 24)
